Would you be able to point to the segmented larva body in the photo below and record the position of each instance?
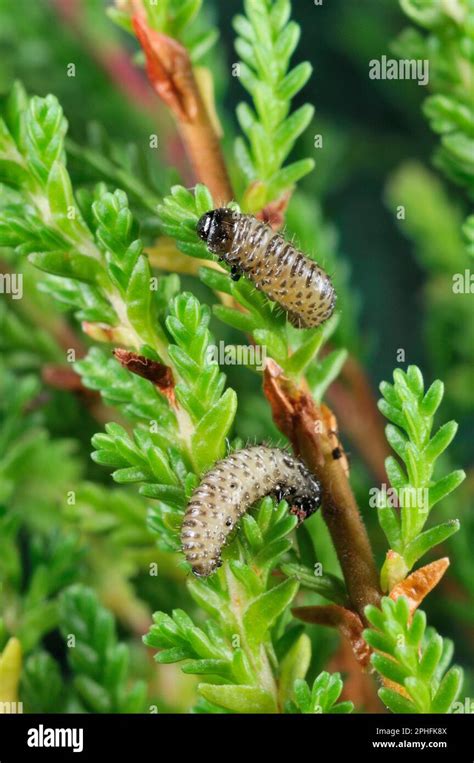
(273, 264)
(229, 489)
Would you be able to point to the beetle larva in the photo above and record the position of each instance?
(229, 489)
(273, 264)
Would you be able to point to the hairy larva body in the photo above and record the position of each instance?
(273, 264)
(229, 489)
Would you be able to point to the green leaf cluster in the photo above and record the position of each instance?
(266, 41)
(87, 240)
(236, 648)
(98, 660)
(411, 411)
(169, 449)
(29, 596)
(321, 697)
(135, 397)
(412, 656)
(42, 685)
(110, 281)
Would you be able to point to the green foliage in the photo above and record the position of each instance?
(412, 656)
(447, 44)
(42, 687)
(35, 471)
(179, 213)
(431, 218)
(101, 260)
(266, 41)
(411, 412)
(134, 396)
(36, 561)
(175, 446)
(26, 343)
(235, 647)
(327, 585)
(322, 697)
(433, 222)
(200, 390)
(468, 231)
(48, 518)
(117, 516)
(31, 596)
(98, 661)
(147, 458)
(461, 559)
(119, 165)
(111, 277)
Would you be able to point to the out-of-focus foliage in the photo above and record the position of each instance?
(99, 662)
(433, 222)
(447, 42)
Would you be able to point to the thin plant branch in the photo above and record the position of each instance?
(173, 78)
(304, 423)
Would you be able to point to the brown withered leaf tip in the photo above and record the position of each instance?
(169, 69)
(159, 375)
(419, 584)
(347, 622)
(273, 214)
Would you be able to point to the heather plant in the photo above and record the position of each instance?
(114, 342)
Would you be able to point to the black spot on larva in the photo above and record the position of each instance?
(273, 264)
(238, 484)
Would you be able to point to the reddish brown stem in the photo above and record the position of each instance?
(347, 622)
(305, 424)
(172, 76)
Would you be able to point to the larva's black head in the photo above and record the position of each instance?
(309, 501)
(303, 498)
(216, 228)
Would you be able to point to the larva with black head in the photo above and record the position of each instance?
(273, 264)
(230, 488)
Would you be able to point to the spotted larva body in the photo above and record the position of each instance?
(230, 488)
(272, 263)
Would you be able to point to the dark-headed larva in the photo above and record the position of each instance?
(230, 488)
(273, 264)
